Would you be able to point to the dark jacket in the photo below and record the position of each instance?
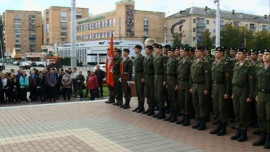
(100, 75)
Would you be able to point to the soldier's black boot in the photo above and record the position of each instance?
(151, 111)
(223, 130)
(256, 132)
(243, 136)
(216, 130)
(174, 117)
(197, 124)
(136, 109)
(202, 125)
(261, 140)
(237, 135)
(126, 105)
(109, 100)
(186, 122)
(267, 142)
(170, 116)
(122, 106)
(168, 109)
(161, 114)
(146, 112)
(157, 114)
(141, 108)
(182, 120)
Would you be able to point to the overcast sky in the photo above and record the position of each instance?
(256, 7)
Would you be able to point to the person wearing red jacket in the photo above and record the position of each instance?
(92, 85)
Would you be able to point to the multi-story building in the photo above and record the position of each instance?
(22, 32)
(56, 23)
(124, 23)
(189, 24)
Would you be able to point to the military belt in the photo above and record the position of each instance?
(199, 82)
(264, 91)
(171, 74)
(140, 71)
(218, 82)
(239, 86)
(184, 79)
(159, 73)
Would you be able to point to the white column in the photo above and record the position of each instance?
(217, 23)
(73, 35)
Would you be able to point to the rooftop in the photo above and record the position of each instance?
(223, 14)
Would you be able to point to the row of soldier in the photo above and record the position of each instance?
(189, 82)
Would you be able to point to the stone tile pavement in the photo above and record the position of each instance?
(98, 127)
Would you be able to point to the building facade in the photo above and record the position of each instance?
(22, 32)
(124, 23)
(189, 24)
(56, 24)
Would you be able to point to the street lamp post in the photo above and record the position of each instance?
(73, 34)
(217, 23)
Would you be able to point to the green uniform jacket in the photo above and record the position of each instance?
(243, 76)
(148, 66)
(262, 79)
(200, 73)
(160, 65)
(221, 74)
(116, 66)
(171, 68)
(183, 74)
(127, 69)
(138, 64)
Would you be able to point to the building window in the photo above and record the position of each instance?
(207, 21)
(194, 38)
(146, 27)
(214, 22)
(194, 20)
(194, 29)
(113, 20)
(214, 30)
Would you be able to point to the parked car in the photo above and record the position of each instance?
(2, 66)
(16, 63)
(102, 67)
(25, 65)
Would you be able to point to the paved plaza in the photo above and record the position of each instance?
(98, 127)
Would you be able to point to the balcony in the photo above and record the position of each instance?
(201, 25)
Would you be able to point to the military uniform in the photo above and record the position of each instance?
(117, 84)
(148, 75)
(159, 77)
(184, 102)
(221, 85)
(170, 79)
(126, 76)
(263, 104)
(243, 88)
(200, 82)
(138, 69)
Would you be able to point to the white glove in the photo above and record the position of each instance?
(128, 82)
(119, 80)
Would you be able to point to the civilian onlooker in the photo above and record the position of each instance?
(24, 84)
(40, 87)
(52, 81)
(14, 89)
(92, 84)
(66, 84)
(74, 75)
(33, 85)
(88, 74)
(5, 87)
(100, 76)
(80, 84)
(1, 89)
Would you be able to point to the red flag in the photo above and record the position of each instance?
(109, 65)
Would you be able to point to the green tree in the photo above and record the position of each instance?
(262, 39)
(206, 39)
(230, 36)
(176, 41)
(248, 35)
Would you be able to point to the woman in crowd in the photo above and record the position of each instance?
(92, 84)
(66, 82)
(13, 89)
(24, 85)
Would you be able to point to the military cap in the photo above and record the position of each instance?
(200, 48)
(192, 49)
(224, 47)
(138, 46)
(116, 49)
(171, 49)
(206, 48)
(126, 50)
(242, 50)
(220, 49)
(261, 51)
(185, 49)
(177, 48)
(156, 45)
(149, 47)
(267, 50)
(167, 46)
(256, 51)
(233, 48)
